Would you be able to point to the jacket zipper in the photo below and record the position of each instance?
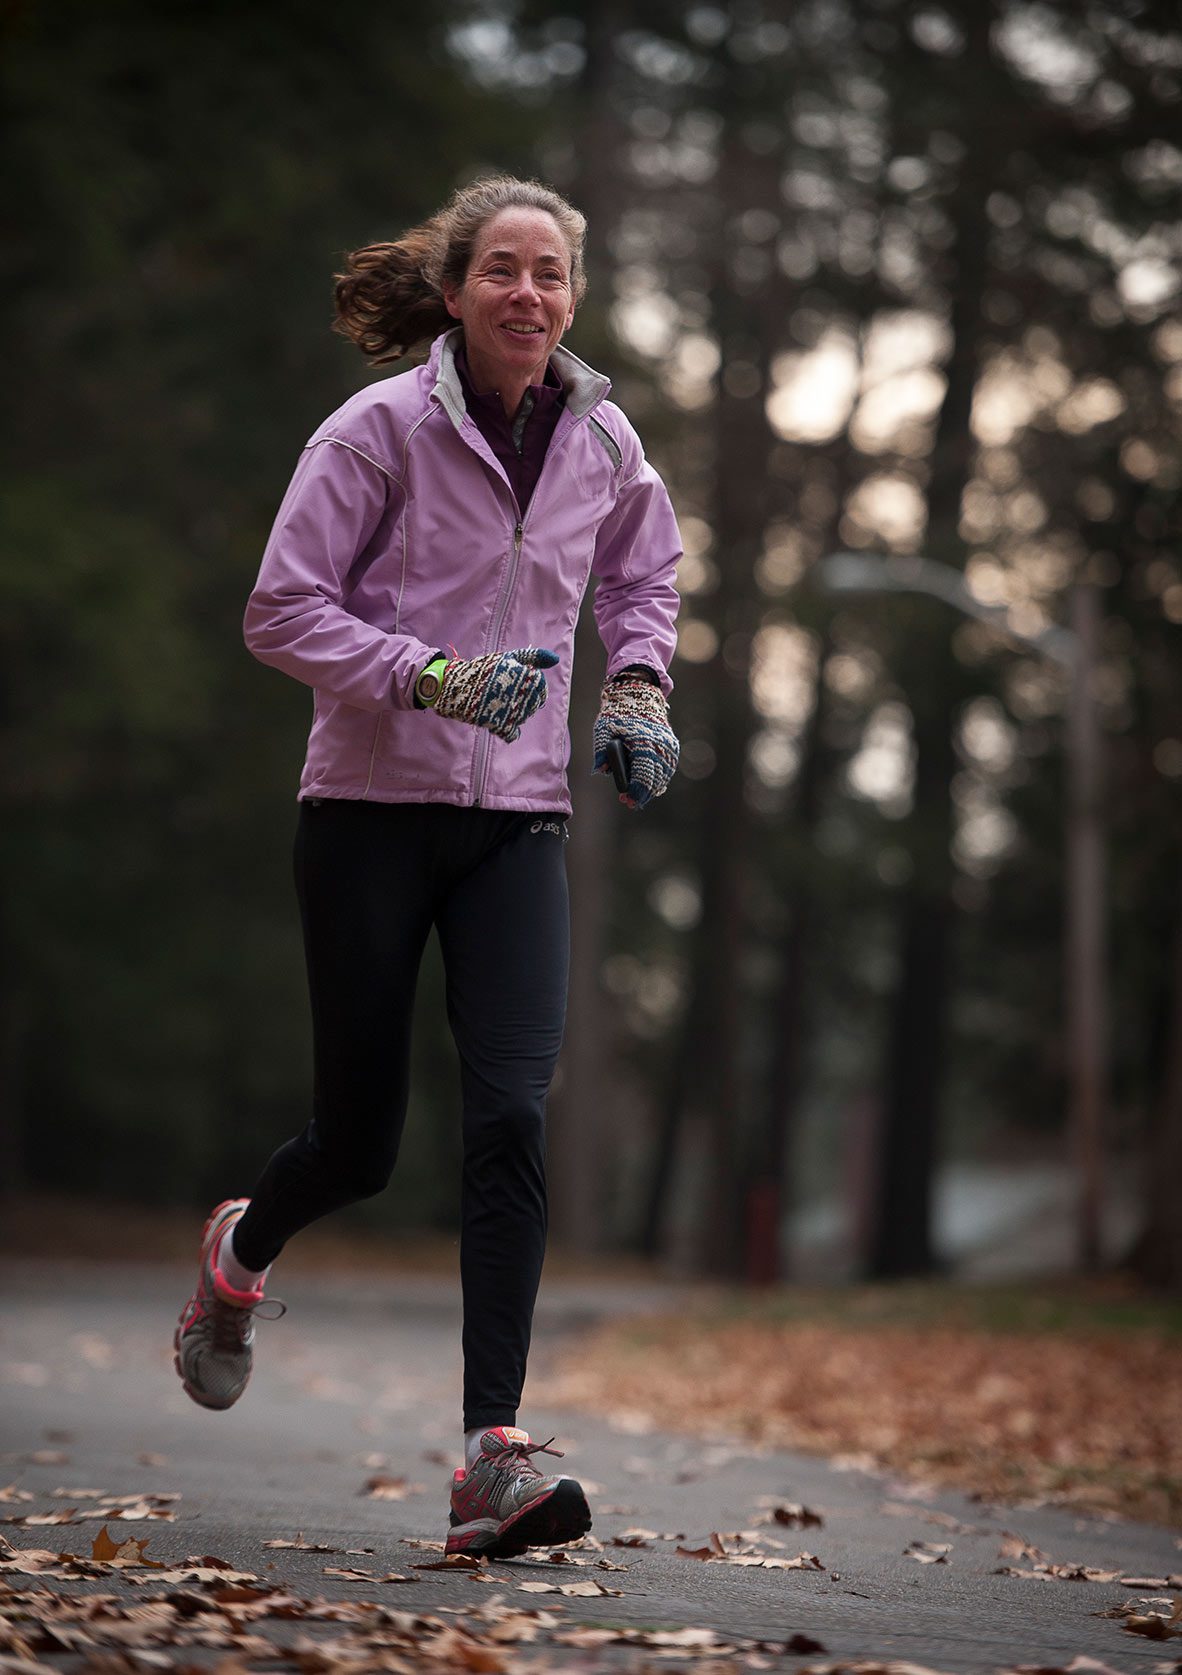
(484, 743)
(498, 624)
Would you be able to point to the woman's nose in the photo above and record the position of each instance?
(525, 287)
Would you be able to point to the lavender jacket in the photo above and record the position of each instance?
(399, 537)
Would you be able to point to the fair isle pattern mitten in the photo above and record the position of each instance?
(633, 709)
(499, 691)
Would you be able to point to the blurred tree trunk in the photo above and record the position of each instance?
(13, 1026)
(768, 1190)
(901, 1217)
(1157, 1256)
(745, 308)
(581, 1108)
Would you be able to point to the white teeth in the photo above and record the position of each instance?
(523, 331)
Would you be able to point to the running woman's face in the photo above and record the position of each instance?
(516, 299)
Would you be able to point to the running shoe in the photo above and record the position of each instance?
(503, 1504)
(215, 1334)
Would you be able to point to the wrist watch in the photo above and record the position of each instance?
(429, 682)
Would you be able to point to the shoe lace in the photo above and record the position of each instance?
(228, 1320)
(516, 1457)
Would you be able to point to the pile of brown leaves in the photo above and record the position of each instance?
(1092, 1420)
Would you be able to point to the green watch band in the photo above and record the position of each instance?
(429, 682)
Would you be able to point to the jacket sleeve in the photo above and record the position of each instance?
(636, 554)
(295, 618)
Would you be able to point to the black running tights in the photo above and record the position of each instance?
(372, 879)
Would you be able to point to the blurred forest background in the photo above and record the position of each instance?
(883, 278)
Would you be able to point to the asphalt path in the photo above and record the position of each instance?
(363, 1379)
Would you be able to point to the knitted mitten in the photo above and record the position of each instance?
(499, 691)
(633, 709)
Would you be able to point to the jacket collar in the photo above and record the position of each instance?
(585, 388)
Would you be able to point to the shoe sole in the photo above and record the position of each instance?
(563, 1516)
(190, 1390)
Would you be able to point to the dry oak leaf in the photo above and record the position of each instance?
(1153, 1625)
(130, 1551)
(133, 1509)
(13, 1493)
(873, 1667)
(28, 1561)
(470, 1562)
(791, 1513)
(1017, 1547)
(581, 1590)
(382, 1488)
(26, 1520)
(1060, 1573)
(1080, 1665)
(928, 1552)
(299, 1545)
(195, 1570)
(717, 1551)
(351, 1574)
(1150, 1625)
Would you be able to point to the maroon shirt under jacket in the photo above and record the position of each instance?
(519, 443)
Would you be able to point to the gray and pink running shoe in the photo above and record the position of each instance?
(503, 1504)
(215, 1335)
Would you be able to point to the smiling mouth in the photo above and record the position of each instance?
(523, 331)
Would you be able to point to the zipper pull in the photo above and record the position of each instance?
(517, 537)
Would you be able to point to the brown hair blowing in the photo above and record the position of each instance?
(390, 297)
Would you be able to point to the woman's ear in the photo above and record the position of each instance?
(451, 301)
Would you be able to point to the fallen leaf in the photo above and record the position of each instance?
(131, 1551)
(1017, 1547)
(1079, 1665)
(1060, 1573)
(27, 1561)
(383, 1488)
(13, 1493)
(928, 1552)
(453, 1561)
(299, 1545)
(574, 1590)
(65, 1515)
(352, 1574)
(1150, 1625)
(803, 1643)
(686, 1639)
(796, 1516)
(194, 1570)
